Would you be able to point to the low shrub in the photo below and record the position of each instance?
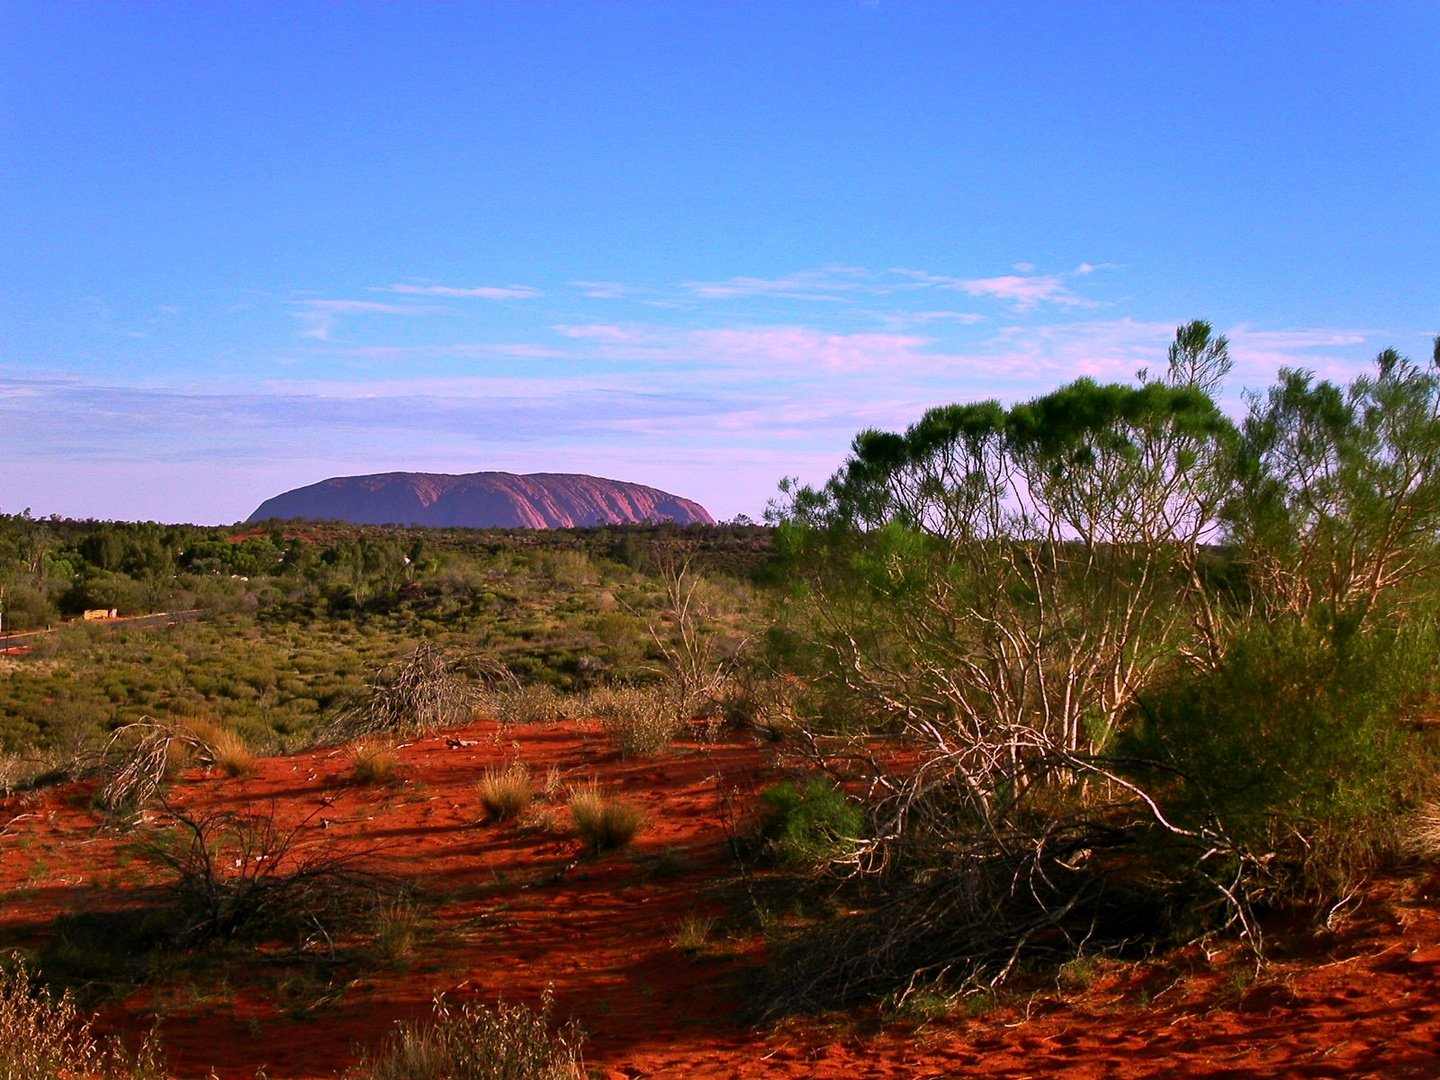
(536, 704)
(809, 825)
(603, 822)
(427, 690)
(637, 722)
(1298, 747)
(44, 1038)
(241, 876)
(505, 793)
(478, 1042)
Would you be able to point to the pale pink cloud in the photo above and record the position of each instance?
(351, 307)
(823, 284)
(1024, 291)
(1044, 356)
(483, 292)
(1331, 353)
(899, 318)
(618, 333)
(795, 348)
(603, 290)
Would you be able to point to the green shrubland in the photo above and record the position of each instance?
(298, 623)
(1091, 673)
(1156, 672)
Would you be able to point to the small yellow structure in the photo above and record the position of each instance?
(101, 613)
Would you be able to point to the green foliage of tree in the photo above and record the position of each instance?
(994, 570)
(1338, 495)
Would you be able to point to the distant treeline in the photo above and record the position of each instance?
(54, 568)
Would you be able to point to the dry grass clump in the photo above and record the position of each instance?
(505, 793)
(227, 750)
(603, 822)
(398, 927)
(373, 761)
(692, 933)
(637, 722)
(1424, 832)
(42, 1038)
(478, 1042)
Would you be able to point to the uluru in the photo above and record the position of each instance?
(482, 500)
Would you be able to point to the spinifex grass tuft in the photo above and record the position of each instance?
(692, 933)
(603, 822)
(221, 747)
(398, 927)
(505, 793)
(373, 761)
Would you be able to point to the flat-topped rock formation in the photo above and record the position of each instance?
(482, 500)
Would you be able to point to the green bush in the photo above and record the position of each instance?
(810, 824)
(1297, 744)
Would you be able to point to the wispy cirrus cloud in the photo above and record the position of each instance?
(1022, 291)
(828, 283)
(1258, 354)
(604, 290)
(899, 317)
(482, 292)
(319, 315)
(626, 333)
(801, 349)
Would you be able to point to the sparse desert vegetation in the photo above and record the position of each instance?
(1101, 693)
(478, 1042)
(43, 1037)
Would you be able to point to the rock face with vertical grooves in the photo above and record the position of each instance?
(482, 500)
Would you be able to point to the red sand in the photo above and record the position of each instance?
(1360, 1000)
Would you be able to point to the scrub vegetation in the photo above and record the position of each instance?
(1155, 672)
(327, 630)
(1049, 686)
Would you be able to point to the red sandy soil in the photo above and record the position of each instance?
(514, 911)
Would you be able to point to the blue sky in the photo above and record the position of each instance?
(244, 247)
